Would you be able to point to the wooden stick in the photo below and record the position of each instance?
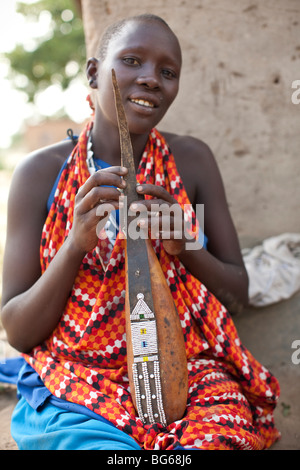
(156, 356)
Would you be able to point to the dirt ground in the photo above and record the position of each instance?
(7, 402)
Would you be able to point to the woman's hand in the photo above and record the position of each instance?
(162, 216)
(101, 189)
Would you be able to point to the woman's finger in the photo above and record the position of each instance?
(111, 176)
(164, 225)
(155, 191)
(98, 195)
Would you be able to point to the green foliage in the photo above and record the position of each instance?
(63, 44)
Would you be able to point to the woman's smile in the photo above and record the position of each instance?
(142, 102)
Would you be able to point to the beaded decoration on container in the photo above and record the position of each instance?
(146, 373)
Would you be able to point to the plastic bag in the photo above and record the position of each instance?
(273, 269)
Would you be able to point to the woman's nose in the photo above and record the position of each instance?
(149, 79)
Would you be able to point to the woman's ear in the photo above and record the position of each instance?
(92, 71)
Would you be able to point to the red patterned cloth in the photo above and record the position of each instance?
(231, 396)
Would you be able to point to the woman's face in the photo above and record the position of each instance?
(146, 57)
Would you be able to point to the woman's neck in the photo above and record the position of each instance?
(106, 144)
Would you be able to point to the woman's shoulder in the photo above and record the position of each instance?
(42, 166)
(195, 162)
(192, 155)
(45, 161)
(187, 144)
(36, 173)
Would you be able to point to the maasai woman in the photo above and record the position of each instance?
(63, 286)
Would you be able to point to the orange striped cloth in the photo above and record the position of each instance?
(231, 396)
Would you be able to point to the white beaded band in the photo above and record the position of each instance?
(145, 367)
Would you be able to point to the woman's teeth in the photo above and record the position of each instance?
(143, 103)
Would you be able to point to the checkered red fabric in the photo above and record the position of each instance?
(231, 396)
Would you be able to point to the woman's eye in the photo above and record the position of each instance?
(131, 61)
(169, 73)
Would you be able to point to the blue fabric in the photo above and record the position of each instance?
(9, 370)
(205, 240)
(53, 428)
(98, 162)
(43, 421)
(18, 372)
(31, 387)
(51, 195)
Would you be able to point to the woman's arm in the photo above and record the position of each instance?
(220, 267)
(33, 303)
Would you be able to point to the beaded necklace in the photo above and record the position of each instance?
(90, 158)
(112, 225)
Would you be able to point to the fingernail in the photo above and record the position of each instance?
(139, 188)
